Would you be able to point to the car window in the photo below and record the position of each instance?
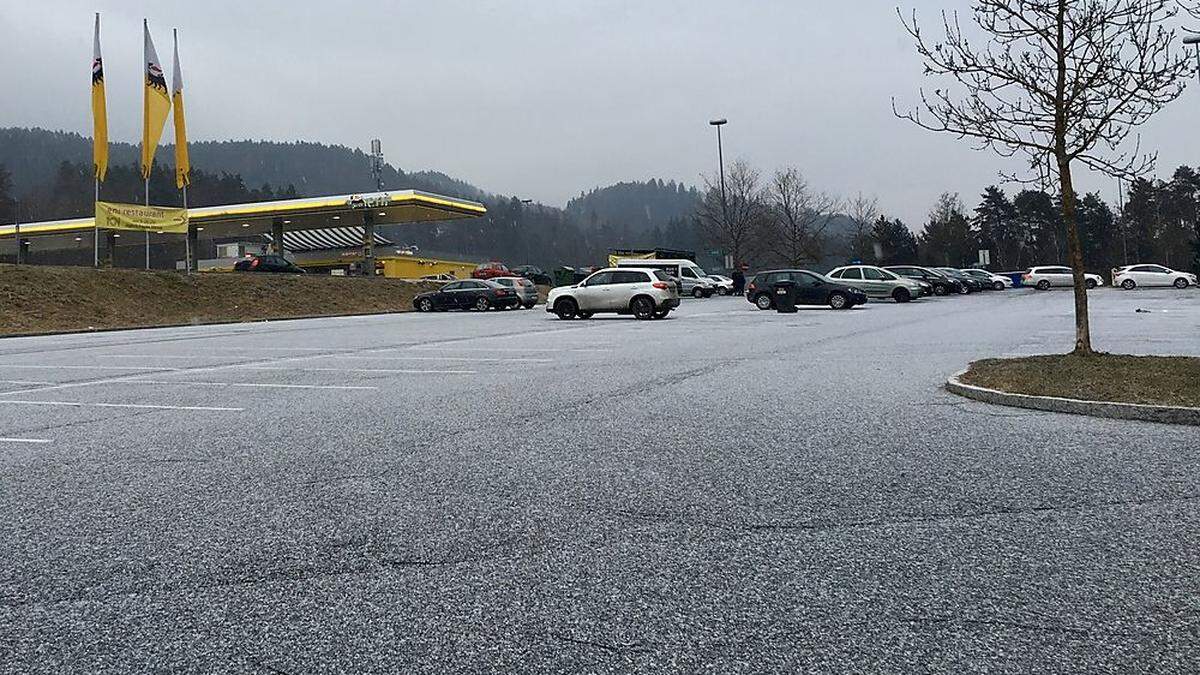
(628, 277)
(1157, 269)
(687, 272)
(454, 286)
(600, 279)
(805, 278)
(661, 275)
(852, 273)
(836, 274)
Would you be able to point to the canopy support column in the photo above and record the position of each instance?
(277, 236)
(368, 253)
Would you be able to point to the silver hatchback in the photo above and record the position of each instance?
(877, 282)
(525, 289)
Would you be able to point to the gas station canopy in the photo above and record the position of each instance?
(312, 213)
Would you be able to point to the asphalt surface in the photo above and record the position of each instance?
(726, 490)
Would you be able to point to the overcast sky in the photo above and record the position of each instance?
(540, 99)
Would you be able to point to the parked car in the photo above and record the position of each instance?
(534, 274)
(524, 288)
(724, 284)
(444, 277)
(476, 294)
(1130, 277)
(490, 270)
(692, 279)
(996, 282)
(645, 293)
(940, 283)
(877, 282)
(970, 283)
(811, 289)
(275, 264)
(1046, 276)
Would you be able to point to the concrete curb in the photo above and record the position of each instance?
(1072, 406)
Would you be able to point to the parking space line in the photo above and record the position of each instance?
(362, 370)
(34, 382)
(249, 385)
(465, 359)
(503, 349)
(140, 406)
(30, 366)
(25, 440)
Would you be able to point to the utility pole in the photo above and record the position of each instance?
(718, 123)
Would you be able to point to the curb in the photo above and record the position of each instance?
(197, 324)
(1072, 406)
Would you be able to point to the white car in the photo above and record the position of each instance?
(724, 284)
(998, 282)
(645, 293)
(1130, 277)
(1047, 276)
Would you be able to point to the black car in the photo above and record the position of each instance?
(477, 294)
(942, 284)
(970, 283)
(811, 289)
(275, 264)
(534, 274)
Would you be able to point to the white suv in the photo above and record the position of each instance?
(644, 293)
(1042, 278)
(1132, 276)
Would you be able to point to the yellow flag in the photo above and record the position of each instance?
(156, 104)
(99, 110)
(183, 167)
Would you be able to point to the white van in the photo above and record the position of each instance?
(693, 280)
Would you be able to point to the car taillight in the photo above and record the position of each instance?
(752, 286)
(1026, 277)
(661, 285)
(501, 291)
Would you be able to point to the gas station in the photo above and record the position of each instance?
(274, 218)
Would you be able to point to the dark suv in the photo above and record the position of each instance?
(942, 284)
(268, 263)
(811, 289)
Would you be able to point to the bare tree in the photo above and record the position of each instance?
(736, 226)
(862, 211)
(1059, 81)
(799, 218)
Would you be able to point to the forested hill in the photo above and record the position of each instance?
(637, 205)
(33, 156)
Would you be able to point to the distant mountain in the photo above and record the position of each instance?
(638, 206)
(33, 157)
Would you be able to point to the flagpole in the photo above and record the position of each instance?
(187, 237)
(147, 231)
(96, 230)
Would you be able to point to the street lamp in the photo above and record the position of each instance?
(718, 123)
(1194, 40)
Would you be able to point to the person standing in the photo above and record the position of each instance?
(739, 281)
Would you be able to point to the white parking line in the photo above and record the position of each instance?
(26, 382)
(362, 370)
(14, 365)
(25, 440)
(249, 385)
(140, 406)
(465, 359)
(502, 349)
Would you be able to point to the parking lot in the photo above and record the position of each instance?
(728, 488)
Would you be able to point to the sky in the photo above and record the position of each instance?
(540, 99)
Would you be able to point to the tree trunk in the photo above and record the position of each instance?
(1083, 332)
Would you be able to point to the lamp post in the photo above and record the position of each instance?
(1194, 40)
(718, 123)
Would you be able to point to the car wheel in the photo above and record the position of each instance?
(642, 308)
(1128, 284)
(1043, 285)
(566, 309)
(901, 295)
(662, 313)
(998, 285)
(1181, 283)
(425, 305)
(482, 305)
(939, 290)
(697, 292)
(763, 301)
(722, 291)
(839, 301)
(1090, 284)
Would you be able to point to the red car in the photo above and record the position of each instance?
(491, 269)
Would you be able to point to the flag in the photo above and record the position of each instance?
(183, 167)
(99, 110)
(156, 103)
